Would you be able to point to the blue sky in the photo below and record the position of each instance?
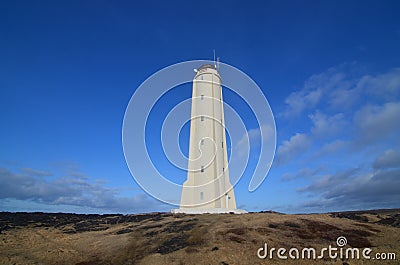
(330, 71)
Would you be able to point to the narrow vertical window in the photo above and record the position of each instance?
(202, 142)
(222, 143)
(202, 118)
(201, 196)
(202, 169)
(202, 97)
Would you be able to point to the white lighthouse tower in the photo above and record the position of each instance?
(207, 188)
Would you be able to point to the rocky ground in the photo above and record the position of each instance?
(163, 238)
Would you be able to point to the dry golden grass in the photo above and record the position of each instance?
(195, 239)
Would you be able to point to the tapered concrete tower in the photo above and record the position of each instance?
(207, 188)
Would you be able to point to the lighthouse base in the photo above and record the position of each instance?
(207, 211)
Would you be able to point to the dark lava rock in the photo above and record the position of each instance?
(124, 231)
(172, 244)
(79, 222)
(273, 226)
(350, 215)
(393, 220)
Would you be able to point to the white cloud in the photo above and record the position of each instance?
(315, 89)
(344, 98)
(327, 80)
(69, 190)
(302, 174)
(352, 189)
(389, 159)
(332, 147)
(339, 89)
(353, 117)
(34, 172)
(296, 145)
(324, 126)
(374, 123)
(253, 138)
(327, 183)
(298, 101)
(386, 86)
(376, 187)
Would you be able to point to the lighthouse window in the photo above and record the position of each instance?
(202, 169)
(222, 143)
(202, 142)
(202, 118)
(201, 196)
(202, 97)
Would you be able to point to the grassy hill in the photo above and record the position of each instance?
(163, 238)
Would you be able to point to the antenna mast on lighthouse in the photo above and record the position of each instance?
(215, 64)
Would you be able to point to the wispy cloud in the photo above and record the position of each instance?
(254, 137)
(332, 147)
(29, 185)
(35, 172)
(375, 122)
(315, 89)
(389, 159)
(372, 121)
(385, 86)
(296, 145)
(374, 186)
(352, 190)
(353, 118)
(304, 173)
(297, 102)
(339, 88)
(325, 126)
